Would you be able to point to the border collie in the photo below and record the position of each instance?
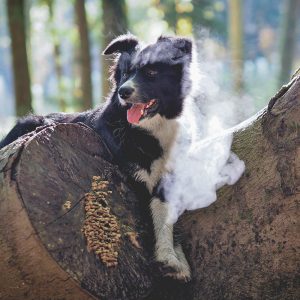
(139, 124)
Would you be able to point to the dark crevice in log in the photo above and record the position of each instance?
(67, 212)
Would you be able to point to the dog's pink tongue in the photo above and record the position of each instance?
(135, 113)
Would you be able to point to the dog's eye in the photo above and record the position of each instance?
(151, 72)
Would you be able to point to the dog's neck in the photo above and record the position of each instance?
(165, 130)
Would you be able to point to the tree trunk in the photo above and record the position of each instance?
(288, 38)
(17, 28)
(57, 58)
(243, 246)
(114, 23)
(85, 56)
(236, 42)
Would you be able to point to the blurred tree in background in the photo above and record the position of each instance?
(17, 29)
(236, 42)
(85, 56)
(57, 56)
(290, 18)
(114, 23)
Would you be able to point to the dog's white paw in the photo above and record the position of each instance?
(181, 256)
(174, 265)
(181, 276)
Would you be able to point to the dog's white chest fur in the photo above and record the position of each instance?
(165, 131)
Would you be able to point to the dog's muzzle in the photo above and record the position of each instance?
(126, 90)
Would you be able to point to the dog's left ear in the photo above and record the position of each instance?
(181, 47)
(183, 44)
(123, 43)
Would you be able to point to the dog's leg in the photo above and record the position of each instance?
(165, 253)
(181, 257)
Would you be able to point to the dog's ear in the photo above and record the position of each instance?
(181, 47)
(123, 43)
(185, 45)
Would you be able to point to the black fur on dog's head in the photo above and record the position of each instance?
(154, 79)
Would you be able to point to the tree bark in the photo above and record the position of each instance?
(17, 28)
(85, 56)
(243, 246)
(114, 23)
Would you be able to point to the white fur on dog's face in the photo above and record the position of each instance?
(122, 102)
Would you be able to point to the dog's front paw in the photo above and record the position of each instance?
(173, 266)
(184, 276)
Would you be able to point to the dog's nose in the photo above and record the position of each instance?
(125, 91)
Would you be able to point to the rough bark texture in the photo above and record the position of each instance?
(244, 246)
(16, 22)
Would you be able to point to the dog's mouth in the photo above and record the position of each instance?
(139, 111)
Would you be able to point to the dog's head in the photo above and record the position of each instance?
(151, 80)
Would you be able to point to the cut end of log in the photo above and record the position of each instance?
(63, 185)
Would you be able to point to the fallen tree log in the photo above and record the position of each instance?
(244, 246)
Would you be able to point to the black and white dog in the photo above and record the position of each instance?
(139, 124)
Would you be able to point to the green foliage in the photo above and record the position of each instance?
(189, 16)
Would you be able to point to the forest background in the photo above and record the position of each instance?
(50, 50)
